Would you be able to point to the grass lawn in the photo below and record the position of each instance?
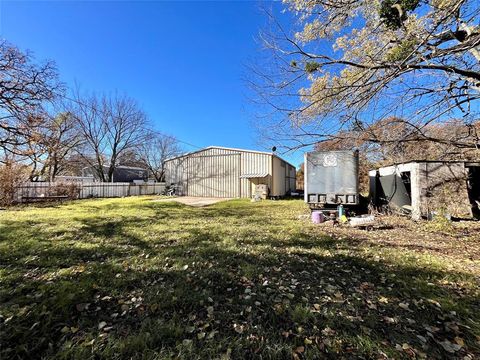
(137, 279)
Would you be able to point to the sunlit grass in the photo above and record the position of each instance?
(135, 278)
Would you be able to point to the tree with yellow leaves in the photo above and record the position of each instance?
(352, 64)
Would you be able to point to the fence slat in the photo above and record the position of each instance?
(88, 190)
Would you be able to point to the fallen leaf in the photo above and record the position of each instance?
(328, 332)
(238, 328)
(459, 341)
(450, 347)
(389, 320)
(300, 349)
(82, 306)
(383, 300)
(422, 339)
(190, 329)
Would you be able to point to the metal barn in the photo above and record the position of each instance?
(229, 173)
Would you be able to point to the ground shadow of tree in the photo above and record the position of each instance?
(166, 296)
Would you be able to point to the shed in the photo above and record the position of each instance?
(426, 187)
(229, 173)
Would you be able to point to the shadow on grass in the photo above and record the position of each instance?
(194, 292)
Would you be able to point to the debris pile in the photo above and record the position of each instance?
(338, 216)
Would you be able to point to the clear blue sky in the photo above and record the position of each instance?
(183, 61)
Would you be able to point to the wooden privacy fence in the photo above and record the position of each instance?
(78, 190)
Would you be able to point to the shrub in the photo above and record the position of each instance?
(69, 189)
(12, 175)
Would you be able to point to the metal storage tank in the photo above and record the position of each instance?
(229, 173)
(331, 177)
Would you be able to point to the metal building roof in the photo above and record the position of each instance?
(232, 149)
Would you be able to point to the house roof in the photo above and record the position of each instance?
(129, 167)
(118, 167)
(466, 162)
(232, 149)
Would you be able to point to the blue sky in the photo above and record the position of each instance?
(183, 61)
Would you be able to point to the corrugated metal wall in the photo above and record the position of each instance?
(255, 163)
(284, 176)
(279, 171)
(208, 173)
(291, 178)
(216, 172)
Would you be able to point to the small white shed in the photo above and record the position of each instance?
(427, 187)
(229, 173)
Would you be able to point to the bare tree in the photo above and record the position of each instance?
(110, 126)
(73, 164)
(155, 150)
(57, 139)
(88, 114)
(24, 89)
(131, 158)
(61, 141)
(352, 64)
(390, 150)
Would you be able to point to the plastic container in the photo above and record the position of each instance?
(340, 211)
(362, 221)
(317, 217)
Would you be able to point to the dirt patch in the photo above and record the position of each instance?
(195, 201)
(459, 241)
